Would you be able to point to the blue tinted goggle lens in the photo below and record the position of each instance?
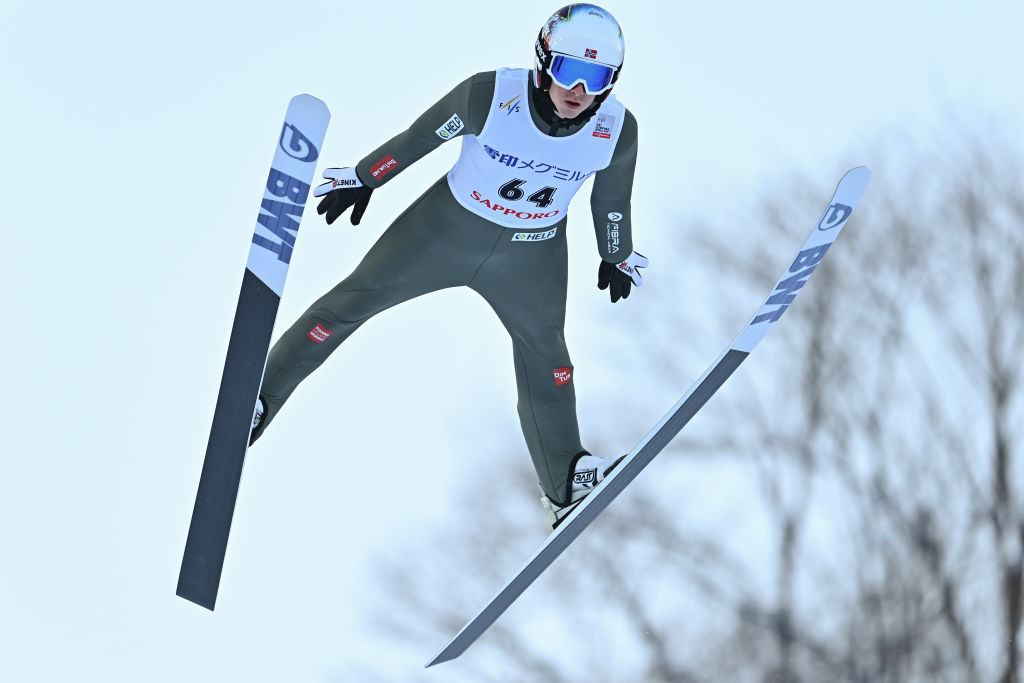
(568, 71)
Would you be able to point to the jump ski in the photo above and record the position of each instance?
(846, 196)
(277, 225)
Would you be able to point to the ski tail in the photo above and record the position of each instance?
(848, 193)
(277, 225)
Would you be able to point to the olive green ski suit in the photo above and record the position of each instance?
(437, 243)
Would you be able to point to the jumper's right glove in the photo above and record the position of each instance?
(343, 189)
(621, 276)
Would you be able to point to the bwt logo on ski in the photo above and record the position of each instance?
(805, 263)
(296, 145)
(563, 376)
(835, 216)
(282, 218)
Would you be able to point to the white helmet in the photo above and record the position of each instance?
(580, 43)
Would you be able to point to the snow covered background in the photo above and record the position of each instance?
(137, 141)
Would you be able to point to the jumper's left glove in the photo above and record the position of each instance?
(621, 276)
(342, 190)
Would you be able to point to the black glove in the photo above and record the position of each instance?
(343, 189)
(621, 276)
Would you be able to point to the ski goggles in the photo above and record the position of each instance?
(568, 71)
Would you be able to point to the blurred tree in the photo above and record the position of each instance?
(881, 423)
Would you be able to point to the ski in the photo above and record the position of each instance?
(849, 191)
(277, 224)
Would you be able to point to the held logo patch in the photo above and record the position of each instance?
(319, 334)
(563, 376)
(835, 216)
(534, 236)
(296, 145)
(603, 127)
(450, 128)
(384, 166)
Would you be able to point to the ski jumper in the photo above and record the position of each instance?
(496, 224)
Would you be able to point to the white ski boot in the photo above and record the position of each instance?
(589, 471)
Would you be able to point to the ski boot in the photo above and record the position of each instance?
(588, 471)
(257, 420)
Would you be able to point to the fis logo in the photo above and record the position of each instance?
(296, 145)
(835, 216)
(805, 263)
(512, 105)
(563, 376)
(450, 128)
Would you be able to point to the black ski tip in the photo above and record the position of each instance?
(203, 601)
(451, 651)
(440, 659)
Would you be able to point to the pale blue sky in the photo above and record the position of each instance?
(137, 139)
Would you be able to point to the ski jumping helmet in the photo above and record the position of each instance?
(580, 43)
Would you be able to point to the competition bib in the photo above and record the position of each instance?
(514, 175)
